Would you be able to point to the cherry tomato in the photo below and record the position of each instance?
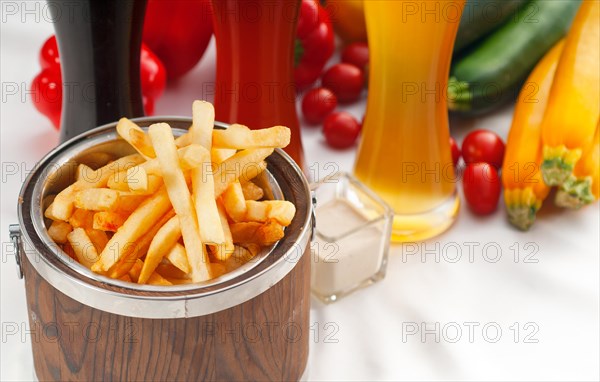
(152, 73)
(308, 19)
(47, 85)
(306, 75)
(455, 151)
(356, 54)
(47, 94)
(314, 43)
(49, 53)
(481, 186)
(317, 104)
(341, 130)
(345, 81)
(483, 146)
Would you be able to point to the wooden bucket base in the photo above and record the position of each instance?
(265, 338)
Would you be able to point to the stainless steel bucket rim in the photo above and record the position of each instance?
(163, 302)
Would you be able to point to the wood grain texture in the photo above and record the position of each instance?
(265, 338)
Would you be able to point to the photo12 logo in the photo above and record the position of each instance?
(470, 331)
(129, 331)
(471, 252)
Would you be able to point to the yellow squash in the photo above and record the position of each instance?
(582, 187)
(524, 189)
(574, 103)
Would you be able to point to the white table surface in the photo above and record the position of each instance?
(368, 335)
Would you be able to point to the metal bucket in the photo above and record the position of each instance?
(249, 324)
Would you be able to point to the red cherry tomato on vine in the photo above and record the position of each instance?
(308, 19)
(47, 94)
(356, 54)
(49, 53)
(481, 186)
(314, 43)
(341, 130)
(345, 81)
(47, 85)
(483, 146)
(455, 151)
(317, 104)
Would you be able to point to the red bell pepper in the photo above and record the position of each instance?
(314, 43)
(47, 85)
(178, 32)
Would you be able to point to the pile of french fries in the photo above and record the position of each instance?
(180, 210)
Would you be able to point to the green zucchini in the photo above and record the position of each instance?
(495, 69)
(480, 17)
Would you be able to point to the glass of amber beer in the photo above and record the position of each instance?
(404, 154)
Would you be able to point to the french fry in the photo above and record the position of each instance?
(134, 252)
(98, 238)
(154, 183)
(186, 139)
(223, 251)
(218, 269)
(163, 241)
(234, 202)
(281, 211)
(118, 181)
(125, 277)
(183, 140)
(98, 159)
(203, 119)
(82, 218)
(244, 165)
(156, 279)
(108, 221)
(62, 207)
(137, 179)
(136, 137)
(59, 230)
(251, 191)
(166, 152)
(175, 281)
(84, 249)
(69, 251)
(262, 180)
(178, 257)
(264, 234)
(134, 271)
(138, 223)
(221, 155)
(189, 157)
(96, 199)
(84, 172)
(169, 271)
(273, 137)
(128, 203)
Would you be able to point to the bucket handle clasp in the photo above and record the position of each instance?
(313, 214)
(15, 237)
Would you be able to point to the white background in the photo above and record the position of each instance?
(366, 336)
